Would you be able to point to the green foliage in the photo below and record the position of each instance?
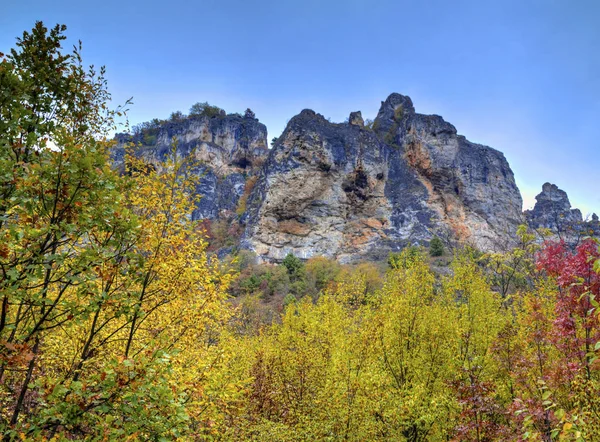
(380, 367)
(406, 258)
(436, 247)
(320, 272)
(177, 116)
(89, 259)
(288, 300)
(149, 140)
(398, 113)
(146, 133)
(390, 136)
(294, 265)
(205, 110)
(113, 324)
(513, 269)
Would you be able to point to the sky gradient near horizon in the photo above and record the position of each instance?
(520, 76)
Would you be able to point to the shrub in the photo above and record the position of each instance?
(320, 271)
(289, 299)
(293, 264)
(149, 140)
(241, 207)
(398, 113)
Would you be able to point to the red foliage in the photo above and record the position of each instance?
(576, 327)
(482, 417)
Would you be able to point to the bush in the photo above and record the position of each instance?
(249, 185)
(147, 132)
(205, 110)
(398, 113)
(436, 247)
(289, 299)
(245, 259)
(406, 258)
(149, 140)
(321, 271)
(293, 264)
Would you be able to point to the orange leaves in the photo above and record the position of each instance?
(15, 355)
(4, 251)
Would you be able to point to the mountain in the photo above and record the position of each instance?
(349, 191)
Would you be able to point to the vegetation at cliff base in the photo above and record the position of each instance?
(118, 323)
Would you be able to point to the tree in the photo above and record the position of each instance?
(205, 110)
(416, 338)
(409, 256)
(436, 247)
(515, 267)
(249, 114)
(177, 116)
(58, 193)
(293, 264)
(102, 277)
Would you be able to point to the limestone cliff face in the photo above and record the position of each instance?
(351, 192)
(345, 190)
(470, 186)
(553, 211)
(325, 190)
(229, 149)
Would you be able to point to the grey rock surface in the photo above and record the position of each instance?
(350, 191)
(553, 211)
(344, 191)
(228, 149)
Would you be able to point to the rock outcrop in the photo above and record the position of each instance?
(470, 186)
(351, 192)
(229, 149)
(553, 211)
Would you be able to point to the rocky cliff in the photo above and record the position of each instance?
(348, 190)
(553, 211)
(353, 192)
(229, 149)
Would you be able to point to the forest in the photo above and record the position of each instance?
(118, 323)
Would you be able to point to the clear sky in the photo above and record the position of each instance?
(521, 76)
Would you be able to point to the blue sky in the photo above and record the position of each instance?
(520, 76)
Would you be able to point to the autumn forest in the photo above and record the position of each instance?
(117, 322)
